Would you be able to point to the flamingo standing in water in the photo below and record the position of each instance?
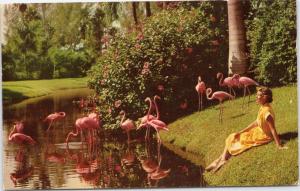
(144, 119)
(230, 82)
(245, 82)
(152, 167)
(54, 117)
(156, 123)
(127, 125)
(220, 96)
(89, 123)
(200, 88)
(19, 137)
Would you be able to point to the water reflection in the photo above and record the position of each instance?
(23, 169)
(110, 163)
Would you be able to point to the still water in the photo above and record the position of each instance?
(113, 163)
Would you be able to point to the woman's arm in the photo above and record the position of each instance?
(271, 125)
(250, 126)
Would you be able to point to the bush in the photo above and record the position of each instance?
(164, 59)
(68, 63)
(272, 36)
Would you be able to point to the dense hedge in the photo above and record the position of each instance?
(165, 58)
(272, 41)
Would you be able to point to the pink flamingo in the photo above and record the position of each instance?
(85, 123)
(20, 138)
(54, 117)
(245, 82)
(127, 125)
(230, 82)
(19, 127)
(156, 123)
(144, 119)
(219, 95)
(200, 88)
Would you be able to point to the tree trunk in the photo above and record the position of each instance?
(134, 12)
(147, 9)
(237, 60)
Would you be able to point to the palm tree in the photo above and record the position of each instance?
(237, 60)
(134, 14)
(147, 9)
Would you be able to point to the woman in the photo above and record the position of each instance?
(259, 132)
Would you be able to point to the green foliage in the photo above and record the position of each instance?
(63, 44)
(201, 138)
(164, 59)
(272, 36)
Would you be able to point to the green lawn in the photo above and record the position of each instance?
(18, 90)
(201, 139)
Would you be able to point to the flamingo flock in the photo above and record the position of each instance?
(90, 123)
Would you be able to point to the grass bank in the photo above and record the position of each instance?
(200, 138)
(15, 91)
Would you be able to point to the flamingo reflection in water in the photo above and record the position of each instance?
(86, 165)
(152, 167)
(23, 170)
(53, 156)
(128, 158)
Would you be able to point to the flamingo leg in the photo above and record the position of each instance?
(220, 112)
(229, 88)
(158, 137)
(234, 94)
(50, 125)
(199, 102)
(147, 133)
(128, 136)
(249, 95)
(244, 96)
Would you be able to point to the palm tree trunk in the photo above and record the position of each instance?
(237, 60)
(134, 14)
(147, 9)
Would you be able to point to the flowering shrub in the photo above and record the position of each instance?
(164, 58)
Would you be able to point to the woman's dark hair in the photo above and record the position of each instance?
(268, 92)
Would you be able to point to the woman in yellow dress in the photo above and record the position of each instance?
(260, 131)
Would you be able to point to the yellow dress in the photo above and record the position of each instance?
(258, 135)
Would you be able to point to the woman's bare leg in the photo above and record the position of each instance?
(224, 157)
(216, 164)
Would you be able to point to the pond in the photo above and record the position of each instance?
(112, 163)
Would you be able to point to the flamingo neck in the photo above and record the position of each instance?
(123, 118)
(150, 107)
(73, 134)
(199, 79)
(11, 133)
(156, 108)
(208, 92)
(221, 82)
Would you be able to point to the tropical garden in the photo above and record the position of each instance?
(127, 51)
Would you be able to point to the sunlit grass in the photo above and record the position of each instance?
(18, 90)
(202, 135)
